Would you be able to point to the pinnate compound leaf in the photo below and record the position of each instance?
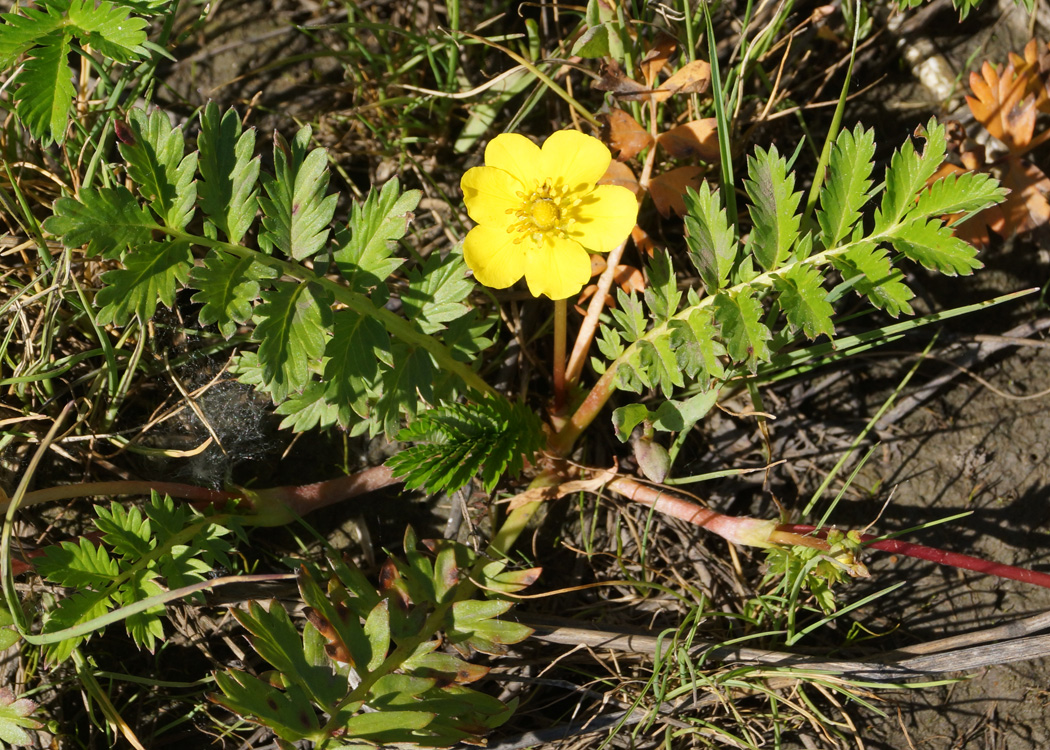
(290, 328)
(847, 186)
(932, 244)
(746, 336)
(874, 277)
(774, 207)
(457, 441)
(16, 717)
(296, 213)
(804, 300)
(907, 176)
(75, 609)
(158, 168)
(151, 274)
(125, 530)
(229, 174)
(46, 95)
(228, 286)
(108, 220)
(365, 254)
(712, 247)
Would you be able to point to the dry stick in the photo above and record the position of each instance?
(594, 311)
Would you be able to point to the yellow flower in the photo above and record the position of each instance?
(539, 212)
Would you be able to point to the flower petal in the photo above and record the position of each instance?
(489, 194)
(491, 254)
(557, 267)
(604, 218)
(574, 160)
(517, 155)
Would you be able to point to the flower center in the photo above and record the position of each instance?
(544, 213)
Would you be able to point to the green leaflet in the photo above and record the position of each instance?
(804, 300)
(365, 252)
(150, 275)
(44, 101)
(229, 173)
(290, 328)
(848, 185)
(774, 207)
(712, 246)
(109, 221)
(907, 176)
(228, 286)
(156, 164)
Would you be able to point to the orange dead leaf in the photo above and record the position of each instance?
(1034, 66)
(656, 58)
(1001, 105)
(629, 278)
(692, 78)
(1025, 208)
(698, 138)
(643, 241)
(668, 190)
(623, 135)
(620, 174)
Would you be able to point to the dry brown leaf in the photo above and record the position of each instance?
(668, 190)
(643, 241)
(1025, 208)
(1000, 104)
(629, 278)
(698, 138)
(620, 174)
(692, 78)
(623, 135)
(656, 58)
(616, 83)
(1035, 67)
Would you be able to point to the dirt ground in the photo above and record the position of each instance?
(967, 449)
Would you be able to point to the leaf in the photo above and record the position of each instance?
(76, 609)
(229, 175)
(309, 409)
(932, 244)
(959, 193)
(804, 300)
(662, 295)
(668, 189)
(290, 328)
(109, 29)
(46, 95)
(15, 718)
(83, 565)
(352, 357)
(623, 135)
(151, 274)
(156, 164)
(874, 277)
(907, 175)
(457, 441)
(365, 257)
(773, 209)
(145, 627)
(108, 220)
(1025, 208)
(698, 347)
(656, 57)
(594, 42)
(1001, 104)
(746, 336)
(125, 530)
(712, 246)
(227, 286)
(436, 291)
(296, 213)
(693, 140)
(847, 186)
(20, 33)
(288, 712)
(692, 78)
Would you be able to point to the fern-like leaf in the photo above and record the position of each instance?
(957, 193)
(773, 209)
(874, 277)
(296, 213)
(907, 175)
(457, 441)
(108, 220)
(20, 33)
(44, 99)
(151, 274)
(109, 29)
(352, 358)
(804, 300)
(847, 186)
(661, 294)
(436, 291)
(229, 173)
(746, 337)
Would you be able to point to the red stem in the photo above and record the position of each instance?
(943, 557)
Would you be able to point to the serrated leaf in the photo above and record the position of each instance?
(712, 247)
(365, 254)
(83, 565)
(662, 295)
(156, 165)
(746, 336)
(125, 530)
(957, 193)
(847, 186)
(907, 175)
(108, 220)
(630, 316)
(310, 409)
(229, 174)
(109, 29)
(151, 274)
(406, 387)
(288, 713)
(296, 213)
(436, 292)
(75, 609)
(932, 244)
(352, 356)
(46, 94)
(774, 207)
(698, 347)
(661, 364)
(145, 627)
(874, 277)
(15, 718)
(20, 33)
(804, 300)
(290, 328)
(227, 286)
